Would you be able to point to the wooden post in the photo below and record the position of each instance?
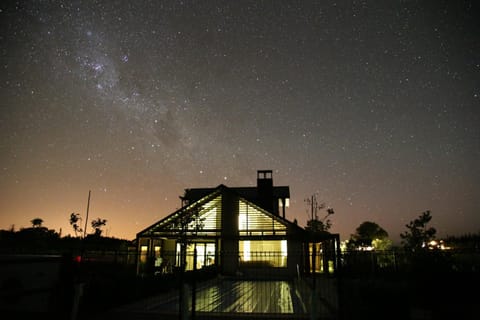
(86, 219)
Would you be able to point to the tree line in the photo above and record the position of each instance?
(39, 238)
(418, 236)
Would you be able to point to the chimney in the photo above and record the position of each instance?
(265, 189)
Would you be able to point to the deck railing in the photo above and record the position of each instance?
(365, 279)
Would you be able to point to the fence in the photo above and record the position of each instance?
(263, 286)
(367, 282)
(31, 285)
(397, 262)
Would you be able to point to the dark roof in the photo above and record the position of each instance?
(249, 193)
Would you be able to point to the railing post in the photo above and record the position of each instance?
(194, 285)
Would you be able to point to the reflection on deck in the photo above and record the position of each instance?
(249, 296)
(235, 297)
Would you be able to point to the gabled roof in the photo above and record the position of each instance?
(175, 217)
(205, 195)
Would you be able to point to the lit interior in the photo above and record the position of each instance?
(271, 253)
(253, 221)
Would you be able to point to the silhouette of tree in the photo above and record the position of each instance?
(37, 222)
(74, 220)
(418, 234)
(470, 241)
(97, 226)
(316, 225)
(366, 233)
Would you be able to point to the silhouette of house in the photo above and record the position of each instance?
(235, 230)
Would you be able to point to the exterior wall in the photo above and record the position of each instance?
(295, 250)
(295, 256)
(229, 251)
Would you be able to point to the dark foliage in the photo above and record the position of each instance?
(418, 234)
(40, 240)
(366, 233)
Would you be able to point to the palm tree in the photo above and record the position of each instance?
(74, 220)
(97, 225)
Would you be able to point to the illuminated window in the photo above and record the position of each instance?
(209, 218)
(263, 253)
(205, 255)
(209, 254)
(316, 255)
(143, 254)
(158, 259)
(246, 250)
(203, 218)
(253, 221)
(178, 255)
(287, 202)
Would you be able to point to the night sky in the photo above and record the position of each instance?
(374, 106)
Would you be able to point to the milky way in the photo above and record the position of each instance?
(373, 107)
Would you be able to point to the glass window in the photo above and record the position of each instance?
(209, 254)
(143, 254)
(158, 257)
(209, 217)
(253, 221)
(263, 253)
(205, 255)
(202, 218)
(281, 201)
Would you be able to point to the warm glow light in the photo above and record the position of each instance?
(434, 244)
(283, 246)
(246, 250)
(242, 221)
(287, 203)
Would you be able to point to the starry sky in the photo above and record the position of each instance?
(371, 106)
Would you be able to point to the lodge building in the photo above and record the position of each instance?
(239, 230)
